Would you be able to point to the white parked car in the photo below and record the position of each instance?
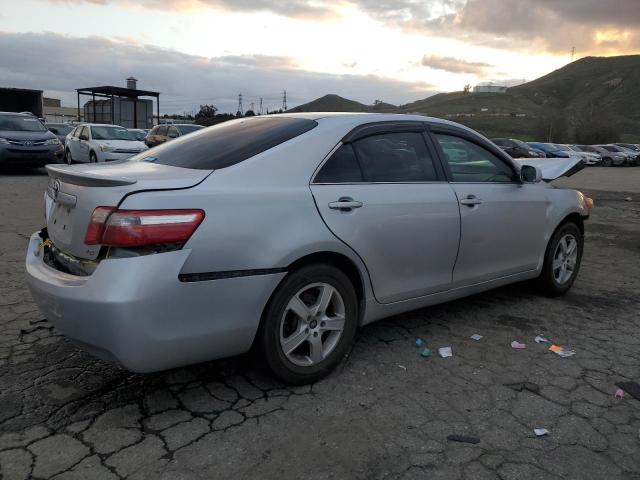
(93, 142)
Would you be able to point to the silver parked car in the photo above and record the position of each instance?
(287, 232)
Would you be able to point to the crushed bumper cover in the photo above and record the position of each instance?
(136, 311)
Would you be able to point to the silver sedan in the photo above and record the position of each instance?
(287, 233)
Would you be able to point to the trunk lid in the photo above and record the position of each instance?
(75, 191)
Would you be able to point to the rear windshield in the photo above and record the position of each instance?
(184, 129)
(20, 123)
(228, 143)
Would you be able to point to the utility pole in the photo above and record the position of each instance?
(573, 53)
(240, 110)
(260, 106)
(251, 107)
(284, 101)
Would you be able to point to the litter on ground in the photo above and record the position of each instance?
(632, 388)
(419, 342)
(541, 339)
(619, 393)
(517, 345)
(541, 431)
(557, 349)
(463, 439)
(426, 352)
(476, 337)
(445, 352)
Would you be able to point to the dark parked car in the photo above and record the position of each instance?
(163, 133)
(550, 150)
(25, 141)
(517, 148)
(60, 130)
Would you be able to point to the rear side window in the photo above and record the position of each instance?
(228, 143)
(342, 167)
(395, 157)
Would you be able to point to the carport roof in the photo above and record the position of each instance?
(118, 91)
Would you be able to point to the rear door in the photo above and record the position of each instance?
(503, 220)
(83, 145)
(385, 196)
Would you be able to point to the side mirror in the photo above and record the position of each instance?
(530, 174)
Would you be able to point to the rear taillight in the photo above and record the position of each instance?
(137, 228)
(96, 225)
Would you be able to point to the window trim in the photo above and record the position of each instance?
(378, 128)
(434, 129)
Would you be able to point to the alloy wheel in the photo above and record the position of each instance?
(565, 259)
(312, 324)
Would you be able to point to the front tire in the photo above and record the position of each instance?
(562, 260)
(606, 162)
(93, 158)
(68, 157)
(309, 324)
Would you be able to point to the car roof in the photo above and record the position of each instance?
(16, 114)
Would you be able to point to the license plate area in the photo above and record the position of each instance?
(59, 221)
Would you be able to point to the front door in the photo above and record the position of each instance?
(503, 220)
(384, 197)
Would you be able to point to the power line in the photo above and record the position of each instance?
(240, 110)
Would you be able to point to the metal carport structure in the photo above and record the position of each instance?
(110, 92)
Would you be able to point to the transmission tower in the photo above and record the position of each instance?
(240, 110)
(284, 101)
(260, 106)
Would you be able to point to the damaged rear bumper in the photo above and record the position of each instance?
(137, 312)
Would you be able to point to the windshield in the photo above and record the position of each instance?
(574, 148)
(19, 123)
(61, 128)
(563, 148)
(105, 132)
(611, 148)
(541, 146)
(587, 148)
(521, 144)
(139, 134)
(184, 129)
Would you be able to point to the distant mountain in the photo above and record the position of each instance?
(336, 103)
(590, 86)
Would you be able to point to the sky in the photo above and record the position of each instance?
(208, 51)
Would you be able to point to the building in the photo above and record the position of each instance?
(489, 88)
(119, 105)
(54, 112)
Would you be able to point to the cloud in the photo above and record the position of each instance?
(61, 64)
(593, 26)
(454, 65)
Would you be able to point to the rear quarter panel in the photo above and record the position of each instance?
(260, 213)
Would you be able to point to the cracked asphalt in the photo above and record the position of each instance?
(384, 414)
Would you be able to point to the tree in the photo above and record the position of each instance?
(249, 113)
(207, 111)
(552, 126)
(592, 126)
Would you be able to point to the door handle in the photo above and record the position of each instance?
(345, 204)
(470, 201)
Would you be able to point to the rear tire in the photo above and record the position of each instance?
(561, 260)
(309, 323)
(606, 162)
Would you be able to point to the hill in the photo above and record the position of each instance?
(589, 90)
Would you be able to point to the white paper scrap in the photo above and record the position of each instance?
(541, 339)
(541, 431)
(445, 352)
(475, 336)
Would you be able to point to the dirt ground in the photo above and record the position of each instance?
(384, 414)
